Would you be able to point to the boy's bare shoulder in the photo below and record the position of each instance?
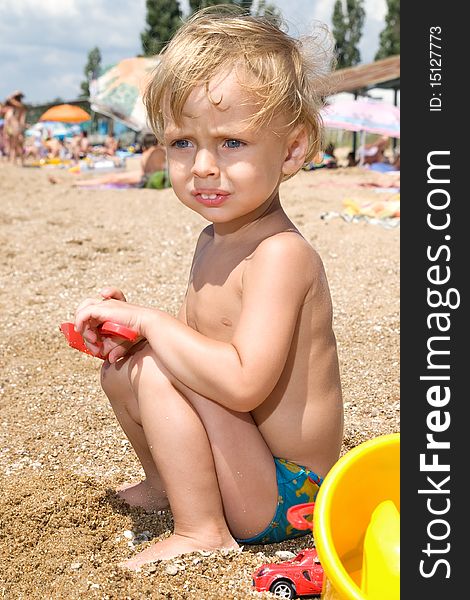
(289, 246)
(290, 252)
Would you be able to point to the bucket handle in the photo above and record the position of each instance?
(296, 515)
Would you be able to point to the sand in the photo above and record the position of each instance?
(63, 530)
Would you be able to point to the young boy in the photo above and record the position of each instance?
(234, 407)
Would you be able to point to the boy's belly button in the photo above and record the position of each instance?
(226, 321)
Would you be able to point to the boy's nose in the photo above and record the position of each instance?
(205, 164)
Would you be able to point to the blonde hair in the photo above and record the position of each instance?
(286, 76)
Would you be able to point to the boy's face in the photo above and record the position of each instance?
(220, 166)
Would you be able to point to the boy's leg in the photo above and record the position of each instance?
(216, 437)
(180, 447)
(244, 465)
(203, 452)
(115, 381)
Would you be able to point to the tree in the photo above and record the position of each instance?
(348, 20)
(163, 19)
(390, 36)
(266, 8)
(91, 70)
(197, 4)
(262, 7)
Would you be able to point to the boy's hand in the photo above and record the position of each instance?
(111, 292)
(114, 347)
(111, 347)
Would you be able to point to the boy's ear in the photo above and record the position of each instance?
(297, 146)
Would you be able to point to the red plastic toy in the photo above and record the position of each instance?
(296, 515)
(300, 576)
(75, 339)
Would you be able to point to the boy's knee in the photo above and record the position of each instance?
(108, 376)
(114, 377)
(141, 368)
(146, 369)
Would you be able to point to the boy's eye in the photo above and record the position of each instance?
(233, 143)
(181, 144)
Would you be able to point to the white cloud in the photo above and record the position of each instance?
(48, 8)
(44, 44)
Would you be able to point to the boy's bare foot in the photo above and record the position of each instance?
(144, 495)
(174, 546)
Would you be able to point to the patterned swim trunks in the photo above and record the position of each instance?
(296, 485)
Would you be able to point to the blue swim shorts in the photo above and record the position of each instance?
(295, 485)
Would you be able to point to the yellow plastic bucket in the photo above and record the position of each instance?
(362, 480)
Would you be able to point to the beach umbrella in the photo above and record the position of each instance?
(365, 115)
(65, 113)
(117, 93)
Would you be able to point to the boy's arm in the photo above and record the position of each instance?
(240, 374)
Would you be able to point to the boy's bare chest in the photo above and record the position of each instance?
(213, 301)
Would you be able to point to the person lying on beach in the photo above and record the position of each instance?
(153, 160)
(234, 406)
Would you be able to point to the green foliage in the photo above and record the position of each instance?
(390, 37)
(348, 21)
(163, 19)
(262, 7)
(198, 4)
(91, 70)
(266, 8)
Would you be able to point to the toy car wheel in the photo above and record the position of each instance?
(283, 589)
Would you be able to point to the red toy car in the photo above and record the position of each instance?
(300, 576)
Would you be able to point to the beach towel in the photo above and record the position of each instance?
(379, 209)
(384, 212)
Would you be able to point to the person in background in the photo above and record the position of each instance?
(111, 145)
(53, 146)
(374, 152)
(35, 147)
(80, 146)
(14, 126)
(153, 161)
(3, 151)
(351, 159)
(329, 158)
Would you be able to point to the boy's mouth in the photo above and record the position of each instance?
(210, 197)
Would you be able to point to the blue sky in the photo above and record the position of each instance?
(44, 44)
